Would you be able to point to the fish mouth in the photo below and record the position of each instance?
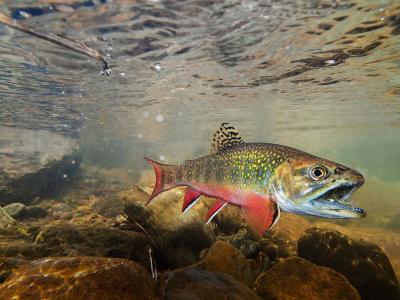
(335, 203)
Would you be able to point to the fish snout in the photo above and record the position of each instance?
(358, 179)
(351, 176)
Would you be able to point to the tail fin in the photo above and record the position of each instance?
(162, 183)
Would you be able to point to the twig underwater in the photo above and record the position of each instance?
(73, 45)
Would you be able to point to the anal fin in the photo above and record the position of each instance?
(260, 212)
(191, 197)
(215, 209)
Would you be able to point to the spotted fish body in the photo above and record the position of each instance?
(246, 175)
(247, 166)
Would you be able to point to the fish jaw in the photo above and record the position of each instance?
(329, 199)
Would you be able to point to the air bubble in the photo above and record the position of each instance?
(330, 62)
(65, 175)
(140, 135)
(162, 157)
(159, 118)
(157, 67)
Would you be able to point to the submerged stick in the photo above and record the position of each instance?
(58, 40)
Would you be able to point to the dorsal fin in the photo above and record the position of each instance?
(226, 136)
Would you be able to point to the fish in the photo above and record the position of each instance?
(262, 179)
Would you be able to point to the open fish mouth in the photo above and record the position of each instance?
(336, 203)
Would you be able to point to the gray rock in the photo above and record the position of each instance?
(278, 245)
(14, 210)
(245, 241)
(34, 163)
(364, 264)
(34, 212)
(195, 284)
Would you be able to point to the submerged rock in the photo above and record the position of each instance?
(9, 265)
(181, 248)
(68, 239)
(277, 244)
(34, 212)
(34, 163)
(15, 210)
(196, 283)
(297, 278)
(179, 238)
(364, 264)
(65, 239)
(79, 278)
(223, 257)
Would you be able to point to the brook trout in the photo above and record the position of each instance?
(262, 179)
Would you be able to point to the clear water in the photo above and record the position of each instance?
(321, 76)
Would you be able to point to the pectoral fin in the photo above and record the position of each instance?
(260, 212)
(215, 209)
(191, 197)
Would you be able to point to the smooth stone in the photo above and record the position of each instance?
(364, 264)
(15, 210)
(296, 278)
(225, 258)
(79, 278)
(195, 283)
(35, 163)
(34, 212)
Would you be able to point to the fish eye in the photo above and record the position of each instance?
(318, 173)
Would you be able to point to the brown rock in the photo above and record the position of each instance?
(79, 278)
(363, 263)
(195, 283)
(9, 265)
(66, 239)
(179, 237)
(73, 240)
(297, 278)
(223, 257)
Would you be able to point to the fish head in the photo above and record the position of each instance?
(314, 186)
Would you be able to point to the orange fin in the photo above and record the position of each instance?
(260, 212)
(215, 209)
(161, 184)
(158, 185)
(191, 197)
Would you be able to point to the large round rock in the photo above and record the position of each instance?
(363, 263)
(297, 278)
(34, 163)
(79, 278)
(195, 283)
